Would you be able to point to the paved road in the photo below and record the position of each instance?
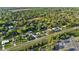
(36, 41)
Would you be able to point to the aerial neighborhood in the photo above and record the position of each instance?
(39, 29)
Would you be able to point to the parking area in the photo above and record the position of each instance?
(67, 45)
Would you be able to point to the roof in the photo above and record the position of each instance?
(5, 41)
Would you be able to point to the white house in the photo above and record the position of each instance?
(10, 27)
(56, 29)
(5, 41)
(35, 36)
